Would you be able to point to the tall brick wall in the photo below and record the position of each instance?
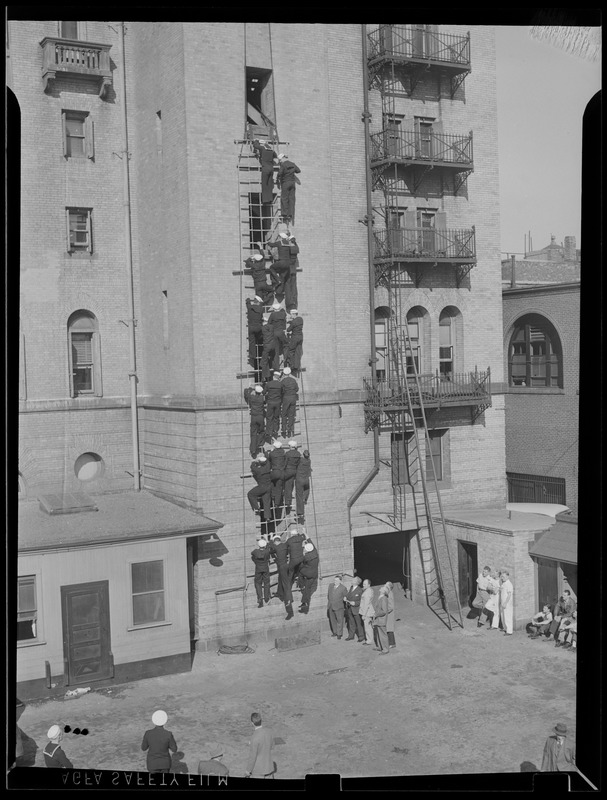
(542, 424)
(54, 283)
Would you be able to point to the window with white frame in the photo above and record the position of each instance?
(147, 590)
(27, 614)
(79, 230)
(84, 353)
(77, 134)
(434, 456)
(445, 346)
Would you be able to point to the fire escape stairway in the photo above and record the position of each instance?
(441, 588)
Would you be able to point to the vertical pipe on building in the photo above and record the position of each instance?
(513, 272)
(126, 202)
(370, 247)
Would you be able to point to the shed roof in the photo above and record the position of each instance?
(559, 543)
(120, 518)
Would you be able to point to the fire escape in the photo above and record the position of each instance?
(407, 249)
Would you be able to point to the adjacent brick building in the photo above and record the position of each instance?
(186, 123)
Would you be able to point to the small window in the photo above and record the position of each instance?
(84, 355)
(79, 230)
(77, 134)
(68, 30)
(434, 455)
(147, 586)
(27, 615)
(413, 356)
(445, 353)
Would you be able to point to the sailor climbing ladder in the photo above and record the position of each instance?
(441, 589)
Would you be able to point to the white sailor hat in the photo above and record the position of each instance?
(53, 732)
(282, 155)
(257, 257)
(275, 306)
(277, 444)
(283, 235)
(308, 547)
(159, 718)
(261, 459)
(276, 372)
(262, 542)
(257, 297)
(292, 443)
(287, 371)
(293, 312)
(258, 388)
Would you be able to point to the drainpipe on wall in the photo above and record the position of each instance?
(370, 247)
(513, 272)
(126, 202)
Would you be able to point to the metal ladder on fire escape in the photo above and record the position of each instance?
(441, 587)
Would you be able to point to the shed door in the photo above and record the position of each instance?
(547, 582)
(85, 610)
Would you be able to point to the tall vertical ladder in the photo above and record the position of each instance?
(441, 587)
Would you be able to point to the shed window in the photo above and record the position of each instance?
(147, 585)
(27, 615)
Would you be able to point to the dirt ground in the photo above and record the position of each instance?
(443, 702)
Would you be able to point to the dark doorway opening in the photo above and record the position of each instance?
(384, 557)
(547, 583)
(467, 560)
(85, 610)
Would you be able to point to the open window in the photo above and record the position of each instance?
(261, 113)
(382, 342)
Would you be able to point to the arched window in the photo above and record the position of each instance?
(418, 336)
(535, 355)
(382, 321)
(450, 342)
(84, 353)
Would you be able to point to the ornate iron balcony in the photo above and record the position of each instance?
(428, 149)
(417, 43)
(425, 244)
(76, 59)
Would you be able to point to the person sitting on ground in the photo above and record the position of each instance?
(213, 766)
(540, 623)
(564, 609)
(567, 635)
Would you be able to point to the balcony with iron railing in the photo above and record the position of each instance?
(418, 245)
(75, 59)
(418, 44)
(432, 391)
(426, 149)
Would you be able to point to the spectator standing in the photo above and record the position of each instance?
(213, 766)
(379, 621)
(506, 603)
(158, 741)
(260, 764)
(53, 752)
(367, 610)
(353, 618)
(335, 606)
(390, 617)
(482, 594)
(492, 607)
(558, 755)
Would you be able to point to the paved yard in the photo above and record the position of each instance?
(461, 701)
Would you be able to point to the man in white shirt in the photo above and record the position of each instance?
(506, 603)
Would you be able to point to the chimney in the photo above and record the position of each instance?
(570, 248)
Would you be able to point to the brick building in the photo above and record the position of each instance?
(189, 129)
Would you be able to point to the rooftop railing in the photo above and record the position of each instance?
(417, 42)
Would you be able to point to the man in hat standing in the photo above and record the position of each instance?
(291, 283)
(558, 755)
(278, 321)
(256, 401)
(286, 180)
(295, 333)
(302, 484)
(254, 324)
(273, 393)
(290, 395)
(353, 618)
(380, 620)
(261, 559)
(335, 606)
(506, 603)
(266, 157)
(213, 766)
(260, 496)
(256, 263)
(292, 460)
(309, 575)
(53, 752)
(280, 552)
(295, 548)
(277, 458)
(158, 741)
